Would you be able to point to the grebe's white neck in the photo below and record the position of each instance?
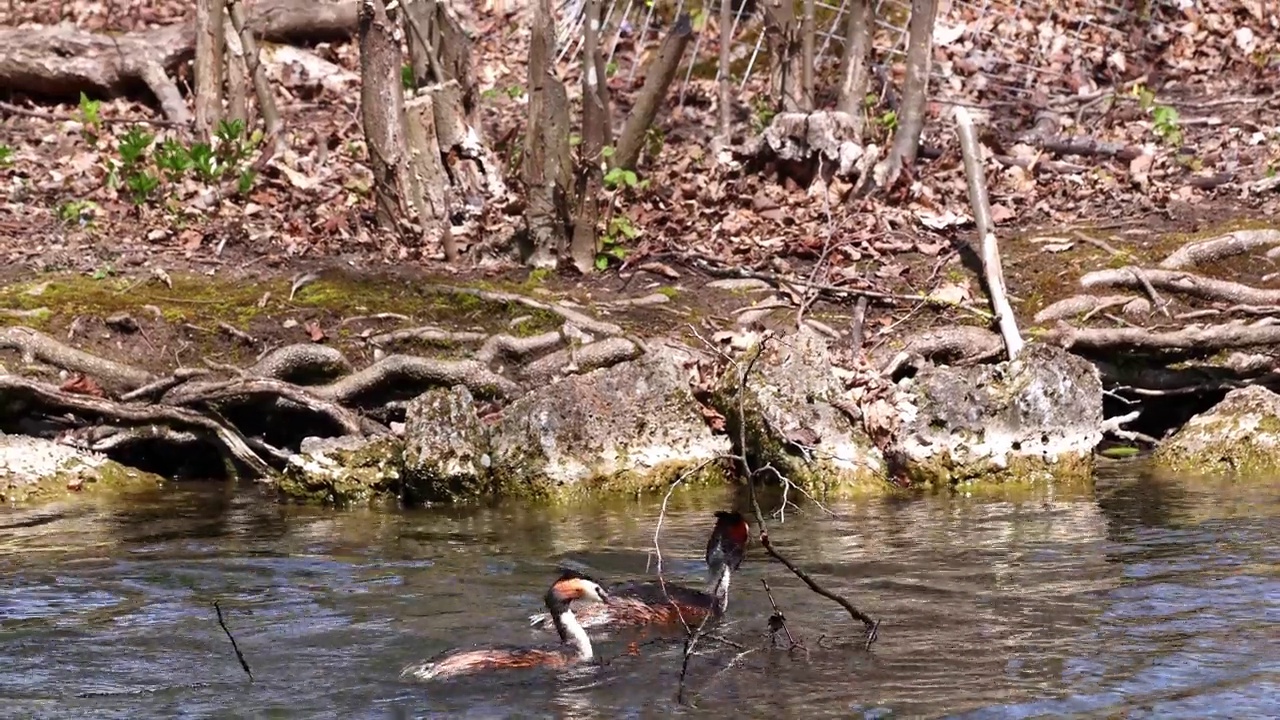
(718, 585)
(571, 632)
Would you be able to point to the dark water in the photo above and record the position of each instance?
(1142, 598)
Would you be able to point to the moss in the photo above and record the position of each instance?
(944, 471)
(1231, 453)
(350, 477)
(108, 479)
(668, 291)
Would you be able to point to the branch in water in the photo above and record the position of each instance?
(239, 655)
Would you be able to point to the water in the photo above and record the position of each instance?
(1144, 597)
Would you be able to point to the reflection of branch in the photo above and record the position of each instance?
(239, 655)
(778, 621)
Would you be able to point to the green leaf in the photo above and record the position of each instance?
(602, 262)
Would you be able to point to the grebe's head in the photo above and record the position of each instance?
(573, 585)
(728, 542)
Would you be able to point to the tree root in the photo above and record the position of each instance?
(207, 393)
(956, 345)
(301, 363)
(1219, 248)
(35, 345)
(1202, 340)
(581, 360)
(1078, 305)
(20, 389)
(1184, 283)
(408, 376)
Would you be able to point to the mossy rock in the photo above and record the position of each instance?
(343, 471)
(1238, 436)
(34, 470)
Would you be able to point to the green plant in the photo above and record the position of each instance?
(173, 159)
(6, 155)
(142, 185)
(81, 212)
(1164, 123)
(406, 77)
(654, 141)
(888, 120)
(89, 111)
(612, 247)
(134, 145)
(104, 272)
(763, 113)
(514, 91)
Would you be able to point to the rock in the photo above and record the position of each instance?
(446, 447)
(1239, 435)
(1038, 417)
(630, 427)
(342, 471)
(34, 469)
(791, 423)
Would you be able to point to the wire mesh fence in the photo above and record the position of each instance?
(986, 52)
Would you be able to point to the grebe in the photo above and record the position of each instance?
(645, 603)
(575, 645)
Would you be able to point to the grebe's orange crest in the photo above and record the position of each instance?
(574, 585)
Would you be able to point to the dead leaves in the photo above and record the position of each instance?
(81, 384)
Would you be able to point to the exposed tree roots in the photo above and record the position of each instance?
(261, 413)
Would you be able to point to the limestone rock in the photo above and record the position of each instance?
(629, 427)
(33, 468)
(343, 470)
(1241, 434)
(1035, 418)
(446, 447)
(791, 422)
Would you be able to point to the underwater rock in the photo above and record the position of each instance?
(446, 447)
(791, 422)
(628, 427)
(33, 468)
(1038, 417)
(1239, 435)
(343, 470)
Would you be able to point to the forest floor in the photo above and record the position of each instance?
(67, 208)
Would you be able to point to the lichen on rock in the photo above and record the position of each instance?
(630, 427)
(342, 471)
(1240, 435)
(35, 469)
(1038, 417)
(791, 423)
(446, 447)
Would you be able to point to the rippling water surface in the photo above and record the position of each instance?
(1144, 597)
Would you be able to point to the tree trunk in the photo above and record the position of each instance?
(724, 115)
(237, 75)
(261, 86)
(428, 169)
(382, 112)
(595, 135)
(915, 93)
(656, 82)
(780, 36)
(547, 168)
(853, 76)
(808, 36)
(208, 67)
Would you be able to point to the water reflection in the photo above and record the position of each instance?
(1152, 596)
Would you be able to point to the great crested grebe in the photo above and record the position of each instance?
(575, 645)
(646, 603)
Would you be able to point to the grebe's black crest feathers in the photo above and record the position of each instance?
(571, 574)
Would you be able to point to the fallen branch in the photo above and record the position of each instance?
(1078, 305)
(991, 265)
(239, 655)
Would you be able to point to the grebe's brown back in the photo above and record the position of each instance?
(647, 603)
(575, 645)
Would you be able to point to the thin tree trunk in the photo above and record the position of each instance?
(546, 167)
(595, 135)
(724, 116)
(853, 80)
(915, 94)
(808, 34)
(261, 86)
(237, 74)
(662, 70)
(382, 112)
(208, 67)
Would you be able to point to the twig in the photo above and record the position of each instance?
(239, 655)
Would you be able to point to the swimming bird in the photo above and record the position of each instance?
(649, 603)
(574, 648)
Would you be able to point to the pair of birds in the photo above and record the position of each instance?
(632, 604)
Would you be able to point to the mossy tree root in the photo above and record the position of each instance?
(36, 346)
